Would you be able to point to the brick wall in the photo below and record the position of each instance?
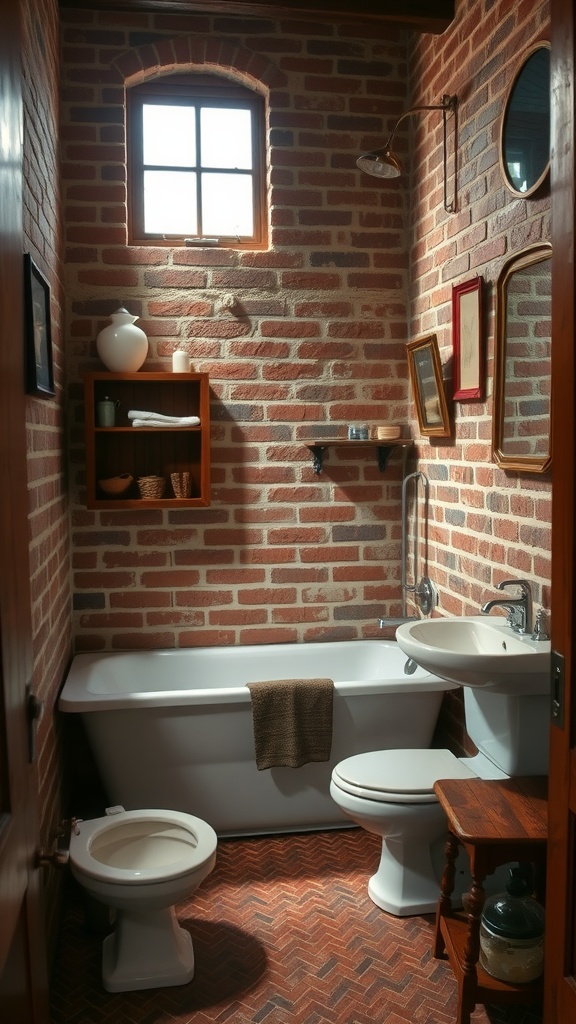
(46, 458)
(486, 524)
(356, 267)
(317, 339)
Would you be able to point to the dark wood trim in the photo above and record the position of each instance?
(23, 965)
(560, 997)
(414, 14)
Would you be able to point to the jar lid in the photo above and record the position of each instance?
(514, 914)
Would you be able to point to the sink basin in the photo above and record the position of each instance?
(479, 652)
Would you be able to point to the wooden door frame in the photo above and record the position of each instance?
(560, 992)
(23, 956)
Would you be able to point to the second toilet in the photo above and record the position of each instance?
(142, 863)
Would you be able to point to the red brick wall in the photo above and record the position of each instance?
(487, 524)
(46, 460)
(281, 554)
(356, 267)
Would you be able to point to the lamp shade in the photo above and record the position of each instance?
(381, 164)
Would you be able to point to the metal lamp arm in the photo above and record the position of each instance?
(407, 113)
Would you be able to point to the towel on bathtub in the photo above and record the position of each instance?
(292, 721)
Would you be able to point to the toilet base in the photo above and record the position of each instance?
(407, 881)
(146, 950)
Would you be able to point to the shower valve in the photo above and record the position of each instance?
(425, 595)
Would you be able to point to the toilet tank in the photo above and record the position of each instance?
(512, 731)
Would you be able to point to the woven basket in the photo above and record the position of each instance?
(181, 484)
(151, 486)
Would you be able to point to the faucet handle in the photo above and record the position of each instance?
(514, 617)
(540, 632)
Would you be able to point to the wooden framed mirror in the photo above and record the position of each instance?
(525, 126)
(522, 358)
(425, 371)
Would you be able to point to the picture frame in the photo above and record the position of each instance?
(467, 340)
(38, 332)
(425, 371)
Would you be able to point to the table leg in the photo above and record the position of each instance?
(469, 981)
(446, 889)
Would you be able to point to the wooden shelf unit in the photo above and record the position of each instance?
(496, 822)
(147, 451)
(455, 929)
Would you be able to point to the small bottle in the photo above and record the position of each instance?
(512, 933)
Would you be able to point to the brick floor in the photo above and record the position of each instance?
(284, 933)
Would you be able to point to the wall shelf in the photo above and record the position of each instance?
(384, 449)
(147, 451)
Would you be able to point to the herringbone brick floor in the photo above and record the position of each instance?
(284, 933)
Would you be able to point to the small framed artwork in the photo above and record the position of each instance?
(38, 335)
(467, 340)
(428, 386)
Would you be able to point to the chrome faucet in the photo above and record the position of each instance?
(384, 623)
(425, 597)
(519, 608)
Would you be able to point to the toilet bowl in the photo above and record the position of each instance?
(391, 794)
(142, 863)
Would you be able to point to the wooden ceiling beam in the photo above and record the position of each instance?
(420, 15)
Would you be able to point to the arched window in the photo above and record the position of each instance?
(196, 163)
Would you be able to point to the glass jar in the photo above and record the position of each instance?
(358, 432)
(512, 933)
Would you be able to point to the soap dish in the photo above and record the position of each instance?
(391, 433)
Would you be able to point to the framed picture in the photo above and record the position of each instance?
(38, 335)
(467, 339)
(428, 386)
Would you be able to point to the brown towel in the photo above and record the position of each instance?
(292, 720)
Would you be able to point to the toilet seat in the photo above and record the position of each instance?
(141, 847)
(398, 776)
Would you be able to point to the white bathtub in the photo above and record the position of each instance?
(173, 729)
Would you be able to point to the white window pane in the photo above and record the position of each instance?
(227, 207)
(170, 202)
(225, 138)
(169, 135)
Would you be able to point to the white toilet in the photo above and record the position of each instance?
(143, 863)
(390, 792)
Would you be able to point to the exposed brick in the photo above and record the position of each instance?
(318, 335)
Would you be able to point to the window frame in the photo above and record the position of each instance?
(210, 90)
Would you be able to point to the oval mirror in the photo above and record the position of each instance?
(522, 361)
(525, 128)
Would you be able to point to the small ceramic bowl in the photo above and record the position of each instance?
(116, 484)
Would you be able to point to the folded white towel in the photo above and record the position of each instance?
(138, 414)
(183, 421)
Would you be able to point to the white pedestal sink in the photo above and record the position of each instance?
(477, 651)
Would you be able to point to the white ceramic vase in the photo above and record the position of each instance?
(122, 346)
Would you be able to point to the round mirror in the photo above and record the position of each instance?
(525, 130)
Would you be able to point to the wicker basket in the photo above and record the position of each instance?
(151, 486)
(181, 484)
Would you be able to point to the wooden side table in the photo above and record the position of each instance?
(496, 822)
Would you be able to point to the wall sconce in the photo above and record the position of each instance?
(382, 163)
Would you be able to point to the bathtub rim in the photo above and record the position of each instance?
(76, 698)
